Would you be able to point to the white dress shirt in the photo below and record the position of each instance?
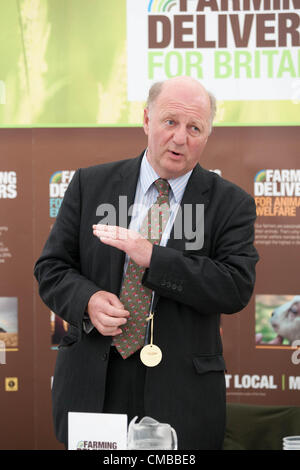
(146, 195)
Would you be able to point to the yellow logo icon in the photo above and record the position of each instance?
(11, 384)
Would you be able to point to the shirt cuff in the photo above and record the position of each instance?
(87, 324)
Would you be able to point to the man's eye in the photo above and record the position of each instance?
(195, 129)
(170, 122)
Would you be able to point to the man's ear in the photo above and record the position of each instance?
(146, 120)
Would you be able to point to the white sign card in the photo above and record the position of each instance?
(97, 431)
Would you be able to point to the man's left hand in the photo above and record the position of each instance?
(138, 248)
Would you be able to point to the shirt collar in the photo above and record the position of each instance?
(148, 175)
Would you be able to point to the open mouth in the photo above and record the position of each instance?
(175, 154)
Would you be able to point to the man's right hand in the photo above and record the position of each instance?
(107, 313)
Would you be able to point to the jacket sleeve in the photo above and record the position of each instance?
(222, 283)
(62, 287)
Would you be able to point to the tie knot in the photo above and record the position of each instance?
(162, 187)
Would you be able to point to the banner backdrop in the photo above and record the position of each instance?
(73, 82)
(66, 63)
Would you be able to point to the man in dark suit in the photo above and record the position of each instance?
(191, 282)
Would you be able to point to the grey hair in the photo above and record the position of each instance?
(156, 89)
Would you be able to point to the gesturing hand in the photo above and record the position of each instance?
(138, 248)
(107, 313)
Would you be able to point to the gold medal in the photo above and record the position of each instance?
(151, 355)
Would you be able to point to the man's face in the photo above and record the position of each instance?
(177, 126)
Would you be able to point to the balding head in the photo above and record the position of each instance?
(181, 82)
(177, 122)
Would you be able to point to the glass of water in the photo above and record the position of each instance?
(149, 434)
(291, 443)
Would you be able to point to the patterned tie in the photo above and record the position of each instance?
(135, 297)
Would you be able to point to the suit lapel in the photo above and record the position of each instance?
(122, 197)
(196, 193)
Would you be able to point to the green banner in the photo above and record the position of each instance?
(65, 63)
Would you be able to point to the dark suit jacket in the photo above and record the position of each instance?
(187, 388)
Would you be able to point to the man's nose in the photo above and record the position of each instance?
(180, 135)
